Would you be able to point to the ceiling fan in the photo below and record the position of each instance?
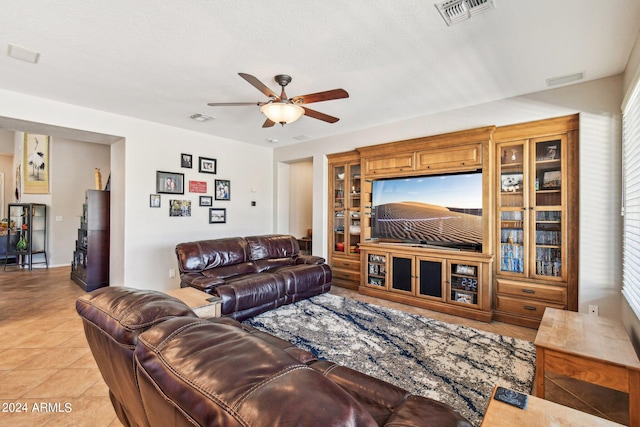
(284, 110)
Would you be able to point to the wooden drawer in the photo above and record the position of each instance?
(468, 155)
(524, 307)
(348, 275)
(554, 294)
(346, 264)
(389, 164)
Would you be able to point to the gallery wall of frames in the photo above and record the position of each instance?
(178, 195)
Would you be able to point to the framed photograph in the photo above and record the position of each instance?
(511, 182)
(551, 179)
(217, 215)
(206, 165)
(169, 182)
(186, 161)
(551, 152)
(206, 200)
(154, 200)
(223, 189)
(179, 207)
(35, 164)
(466, 269)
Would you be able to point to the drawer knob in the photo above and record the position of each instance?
(528, 291)
(530, 307)
(345, 263)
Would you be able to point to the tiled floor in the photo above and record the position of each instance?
(49, 378)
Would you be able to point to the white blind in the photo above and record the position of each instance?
(631, 198)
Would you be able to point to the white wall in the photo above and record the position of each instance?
(598, 103)
(147, 237)
(300, 198)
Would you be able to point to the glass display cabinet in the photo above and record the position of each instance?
(28, 225)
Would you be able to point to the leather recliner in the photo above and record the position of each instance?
(252, 274)
(166, 367)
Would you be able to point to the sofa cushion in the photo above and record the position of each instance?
(240, 293)
(302, 278)
(201, 255)
(214, 374)
(268, 264)
(230, 270)
(273, 246)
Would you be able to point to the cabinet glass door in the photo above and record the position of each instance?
(339, 205)
(512, 212)
(548, 227)
(354, 209)
(463, 283)
(377, 270)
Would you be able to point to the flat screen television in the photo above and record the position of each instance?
(437, 210)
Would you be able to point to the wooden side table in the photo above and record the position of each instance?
(539, 412)
(588, 348)
(198, 301)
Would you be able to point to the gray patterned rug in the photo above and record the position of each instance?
(453, 364)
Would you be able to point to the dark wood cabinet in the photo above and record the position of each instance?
(90, 265)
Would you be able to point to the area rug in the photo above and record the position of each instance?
(453, 364)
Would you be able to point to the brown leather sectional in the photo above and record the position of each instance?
(166, 367)
(252, 274)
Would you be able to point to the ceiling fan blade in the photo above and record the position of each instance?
(232, 104)
(320, 116)
(268, 123)
(327, 95)
(253, 81)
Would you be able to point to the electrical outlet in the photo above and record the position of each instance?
(593, 309)
(172, 273)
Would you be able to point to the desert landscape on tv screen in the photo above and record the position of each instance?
(445, 209)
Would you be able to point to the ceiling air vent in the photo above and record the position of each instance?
(454, 11)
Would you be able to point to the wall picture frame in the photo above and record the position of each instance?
(207, 165)
(169, 182)
(222, 189)
(35, 164)
(154, 200)
(217, 215)
(551, 179)
(179, 207)
(186, 161)
(206, 200)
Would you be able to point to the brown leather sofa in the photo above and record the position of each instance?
(252, 274)
(166, 367)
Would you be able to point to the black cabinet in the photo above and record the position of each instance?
(90, 264)
(27, 241)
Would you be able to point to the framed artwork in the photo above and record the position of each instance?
(154, 200)
(186, 161)
(511, 182)
(217, 215)
(197, 186)
(207, 165)
(169, 182)
(551, 179)
(223, 189)
(35, 163)
(206, 200)
(179, 207)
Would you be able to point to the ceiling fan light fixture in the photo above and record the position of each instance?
(282, 112)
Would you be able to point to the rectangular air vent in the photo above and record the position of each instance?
(454, 11)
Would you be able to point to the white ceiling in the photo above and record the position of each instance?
(163, 61)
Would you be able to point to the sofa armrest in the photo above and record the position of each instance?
(310, 259)
(420, 411)
(200, 282)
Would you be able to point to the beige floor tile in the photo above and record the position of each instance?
(65, 383)
(12, 358)
(22, 414)
(16, 383)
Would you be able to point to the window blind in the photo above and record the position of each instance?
(631, 198)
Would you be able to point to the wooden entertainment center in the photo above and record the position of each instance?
(529, 223)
